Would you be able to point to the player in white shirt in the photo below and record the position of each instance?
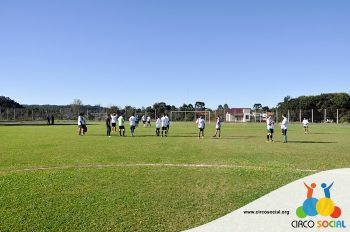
(164, 124)
(148, 121)
(81, 124)
(158, 125)
(284, 127)
(121, 121)
(114, 119)
(269, 127)
(143, 118)
(306, 126)
(167, 123)
(201, 126)
(218, 126)
(132, 121)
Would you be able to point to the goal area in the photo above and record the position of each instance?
(189, 116)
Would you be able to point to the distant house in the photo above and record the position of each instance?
(238, 115)
(261, 116)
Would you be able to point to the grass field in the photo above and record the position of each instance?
(53, 179)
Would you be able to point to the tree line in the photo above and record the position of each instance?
(318, 104)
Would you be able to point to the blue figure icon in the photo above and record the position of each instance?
(327, 193)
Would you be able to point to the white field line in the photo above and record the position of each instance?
(99, 166)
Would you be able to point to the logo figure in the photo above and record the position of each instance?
(323, 206)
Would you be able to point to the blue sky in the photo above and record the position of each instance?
(180, 51)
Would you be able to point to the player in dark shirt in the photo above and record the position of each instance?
(108, 125)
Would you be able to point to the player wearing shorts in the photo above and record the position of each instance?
(121, 121)
(164, 124)
(143, 118)
(148, 121)
(81, 124)
(284, 127)
(132, 121)
(306, 126)
(217, 126)
(269, 127)
(114, 122)
(158, 125)
(201, 126)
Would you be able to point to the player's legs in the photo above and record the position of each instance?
(284, 132)
(271, 135)
(108, 131)
(132, 128)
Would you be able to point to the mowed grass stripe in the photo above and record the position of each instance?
(100, 166)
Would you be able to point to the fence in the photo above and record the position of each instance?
(30, 114)
(68, 113)
(313, 115)
(64, 113)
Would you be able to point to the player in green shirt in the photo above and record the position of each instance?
(121, 121)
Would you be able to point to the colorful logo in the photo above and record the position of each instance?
(323, 206)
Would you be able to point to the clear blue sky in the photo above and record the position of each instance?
(180, 51)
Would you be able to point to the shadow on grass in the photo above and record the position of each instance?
(38, 124)
(322, 133)
(174, 136)
(309, 142)
(33, 124)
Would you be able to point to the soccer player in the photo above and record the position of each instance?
(48, 119)
(270, 127)
(137, 120)
(284, 127)
(148, 121)
(217, 126)
(121, 121)
(164, 124)
(132, 121)
(114, 122)
(306, 126)
(108, 125)
(167, 123)
(201, 126)
(143, 118)
(81, 125)
(158, 124)
(52, 120)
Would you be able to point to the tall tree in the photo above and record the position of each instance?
(8, 102)
(220, 107)
(199, 105)
(257, 106)
(76, 106)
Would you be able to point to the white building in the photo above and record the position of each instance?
(238, 115)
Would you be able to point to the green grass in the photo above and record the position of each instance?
(53, 179)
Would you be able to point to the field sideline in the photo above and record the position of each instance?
(53, 179)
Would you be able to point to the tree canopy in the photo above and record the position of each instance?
(9, 103)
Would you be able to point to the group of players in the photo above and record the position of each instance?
(163, 123)
(284, 127)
